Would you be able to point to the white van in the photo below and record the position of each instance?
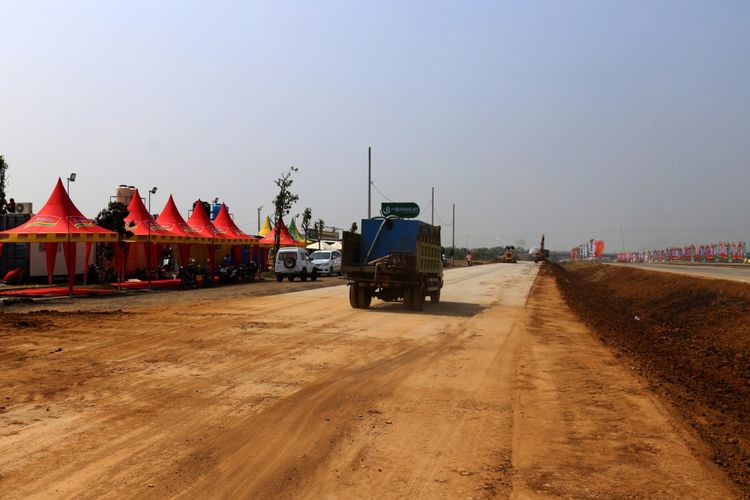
(327, 261)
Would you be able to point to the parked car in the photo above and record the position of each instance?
(327, 261)
(294, 262)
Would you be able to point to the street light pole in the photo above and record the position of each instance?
(259, 209)
(432, 205)
(148, 244)
(453, 241)
(369, 182)
(71, 178)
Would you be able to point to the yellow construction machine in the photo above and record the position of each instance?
(541, 255)
(510, 255)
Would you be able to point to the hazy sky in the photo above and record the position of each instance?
(566, 117)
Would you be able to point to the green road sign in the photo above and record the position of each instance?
(405, 210)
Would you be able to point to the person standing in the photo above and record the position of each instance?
(469, 258)
(12, 206)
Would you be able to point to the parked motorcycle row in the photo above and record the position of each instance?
(194, 275)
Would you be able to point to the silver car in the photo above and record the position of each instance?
(327, 261)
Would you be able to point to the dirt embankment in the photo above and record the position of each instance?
(689, 338)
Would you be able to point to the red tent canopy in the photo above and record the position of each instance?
(144, 227)
(286, 239)
(200, 222)
(58, 221)
(226, 226)
(171, 220)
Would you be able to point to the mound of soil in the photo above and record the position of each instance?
(688, 337)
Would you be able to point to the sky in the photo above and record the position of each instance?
(573, 118)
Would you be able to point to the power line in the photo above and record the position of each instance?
(688, 230)
(381, 193)
(585, 233)
(442, 222)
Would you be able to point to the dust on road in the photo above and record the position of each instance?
(491, 393)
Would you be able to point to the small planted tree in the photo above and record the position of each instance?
(319, 226)
(283, 202)
(306, 219)
(112, 218)
(3, 181)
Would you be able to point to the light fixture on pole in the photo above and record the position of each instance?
(148, 244)
(70, 179)
(259, 209)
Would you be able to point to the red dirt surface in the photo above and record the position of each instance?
(688, 337)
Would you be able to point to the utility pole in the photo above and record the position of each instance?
(369, 181)
(622, 238)
(259, 209)
(453, 241)
(432, 204)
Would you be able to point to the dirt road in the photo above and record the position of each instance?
(495, 392)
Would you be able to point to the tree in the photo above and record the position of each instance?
(206, 208)
(283, 202)
(353, 229)
(306, 218)
(3, 180)
(112, 218)
(319, 226)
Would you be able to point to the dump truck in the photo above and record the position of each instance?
(510, 254)
(394, 260)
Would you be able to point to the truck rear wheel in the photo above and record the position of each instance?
(279, 278)
(435, 296)
(353, 296)
(364, 297)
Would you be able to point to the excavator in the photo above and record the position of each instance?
(541, 255)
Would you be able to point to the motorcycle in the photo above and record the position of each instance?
(228, 274)
(249, 271)
(207, 277)
(188, 275)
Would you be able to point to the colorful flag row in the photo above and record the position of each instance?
(592, 249)
(723, 251)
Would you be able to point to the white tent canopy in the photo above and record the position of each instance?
(325, 245)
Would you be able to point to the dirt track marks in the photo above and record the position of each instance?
(486, 395)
